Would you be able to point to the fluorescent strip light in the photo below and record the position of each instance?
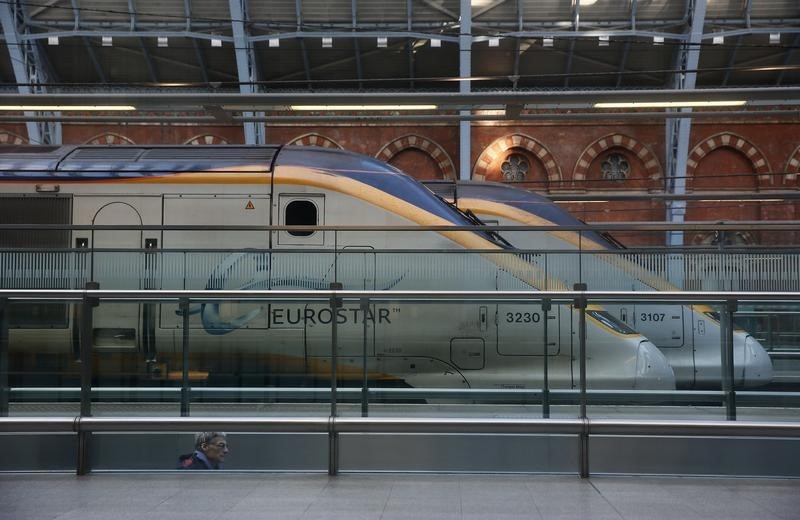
(326, 108)
(66, 108)
(671, 104)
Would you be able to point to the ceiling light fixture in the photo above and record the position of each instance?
(52, 40)
(216, 42)
(327, 42)
(273, 43)
(546, 42)
(106, 41)
(670, 104)
(774, 38)
(330, 108)
(383, 42)
(66, 108)
(718, 40)
(436, 43)
(162, 41)
(494, 42)
(602, 41)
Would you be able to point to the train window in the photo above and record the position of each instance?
(610, 321)
(737, 324)
(301, 213)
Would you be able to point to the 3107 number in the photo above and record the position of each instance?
(652, 316)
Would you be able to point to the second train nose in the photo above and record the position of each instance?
(653, 371)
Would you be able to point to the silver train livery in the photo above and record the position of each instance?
(469, 345)
(689, 336)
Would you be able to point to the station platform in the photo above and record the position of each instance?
(386, 496)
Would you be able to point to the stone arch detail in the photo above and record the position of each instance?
(652, 166)
(110, 138)
(437, 153)
(491, 152)
(314, 139)
(793, 166)
(730, 140)
(206, 139)
(7, 137)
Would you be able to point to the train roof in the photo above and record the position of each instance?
(518, 198)
(89, 161)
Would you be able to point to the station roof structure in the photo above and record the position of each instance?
(400, 45)
(515, 55)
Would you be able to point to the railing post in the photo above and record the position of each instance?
(580, 304)
(5, 390)
(546, 305)
(728, 374)
(333, 437)
(365, 381)
(185, 389)
(86, 344)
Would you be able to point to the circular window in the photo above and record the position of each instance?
(615, 167)
(515, 168)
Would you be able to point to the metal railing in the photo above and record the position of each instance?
(333, 425)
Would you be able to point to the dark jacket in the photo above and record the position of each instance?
(196, 460)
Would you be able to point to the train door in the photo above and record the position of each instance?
(115, 266)
(521, 334)
(662, 324)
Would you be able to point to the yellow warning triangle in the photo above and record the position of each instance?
(250, 205)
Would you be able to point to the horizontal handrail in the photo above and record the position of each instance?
(752, 225)
(394, 295)
(403, 425)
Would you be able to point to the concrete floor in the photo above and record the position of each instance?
(384, 496)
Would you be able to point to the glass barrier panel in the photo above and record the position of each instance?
(39, 368)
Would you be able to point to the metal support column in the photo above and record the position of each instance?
(365, 381)
(254, 133)
(546, 305)
(29, 69)
(5, 390)
(185, 389)
(333, 437)
(464, 87)
(580, 304)
(727, 359)
(86, 344)
(678, 130)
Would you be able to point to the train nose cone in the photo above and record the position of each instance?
(757, 364)
(653, 371)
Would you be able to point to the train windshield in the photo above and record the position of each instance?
(714, 315)
(610, 321)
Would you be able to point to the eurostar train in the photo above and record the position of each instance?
(450, 345)
(689, 336)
